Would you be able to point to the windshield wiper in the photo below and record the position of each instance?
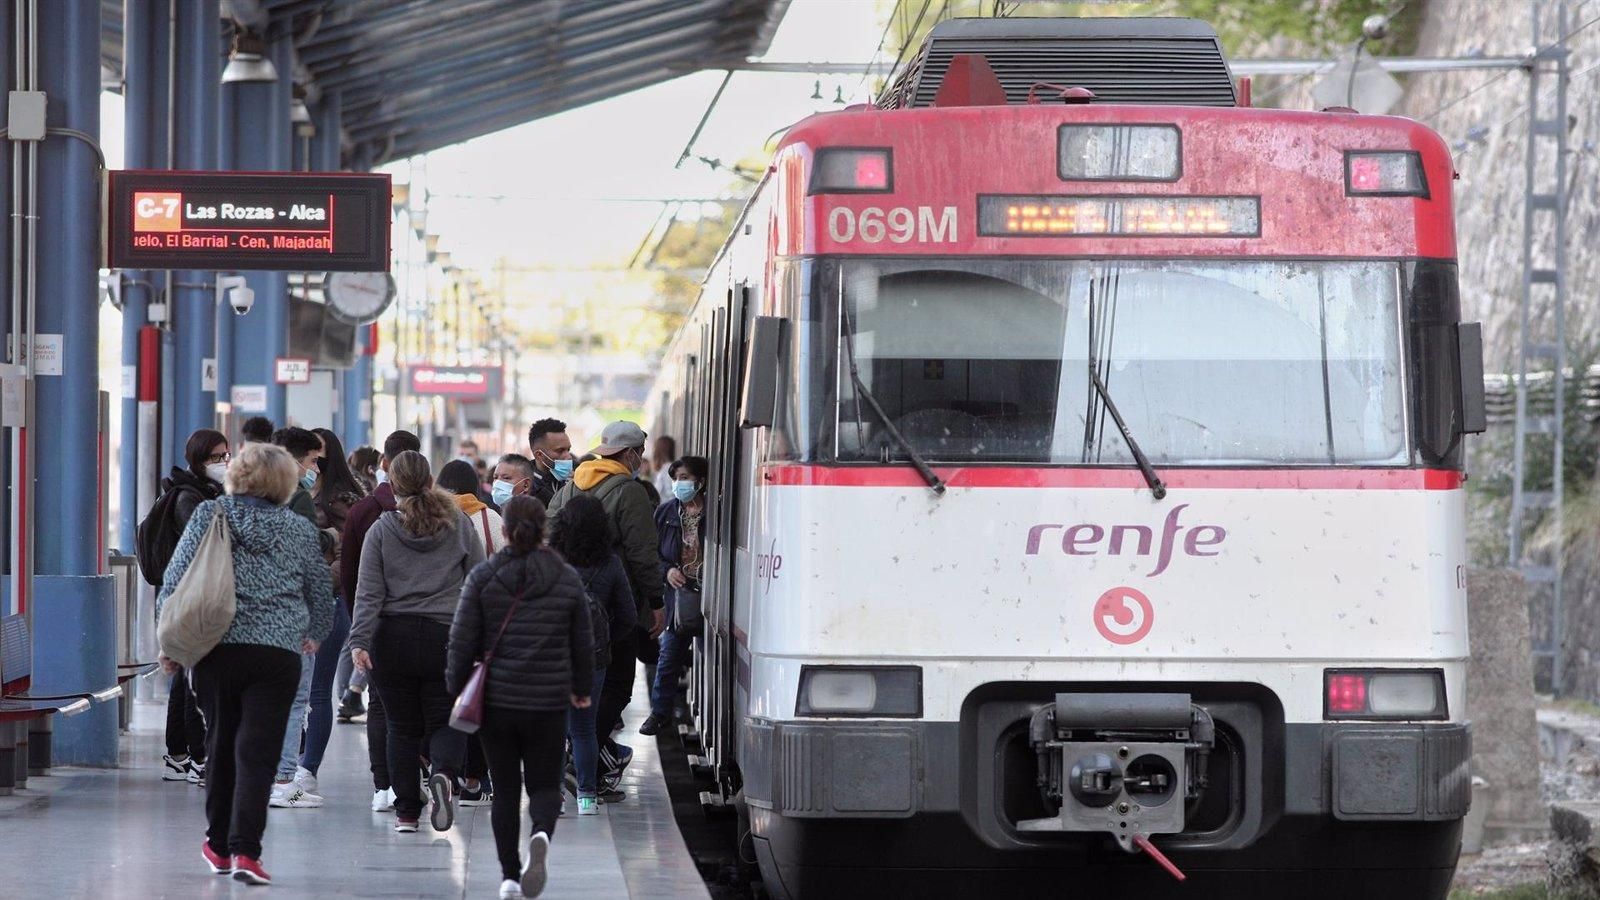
(1157, 488)
(934, 481)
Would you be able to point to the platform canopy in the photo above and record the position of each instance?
(416, 75)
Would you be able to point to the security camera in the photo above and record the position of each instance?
(1375, 27)
(241, 298)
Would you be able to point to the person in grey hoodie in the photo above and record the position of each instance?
(246, 684)
(413, 563)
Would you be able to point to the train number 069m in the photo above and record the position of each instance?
(897, 224)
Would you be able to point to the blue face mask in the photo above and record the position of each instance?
(561, 469)
(685, 490)
(501, 492)
(308, 479)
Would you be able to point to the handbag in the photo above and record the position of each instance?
(467, 714)
(200, 609)
(688, 612)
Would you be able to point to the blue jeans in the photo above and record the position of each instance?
(319, 723)
(670, 665)
(585, 743)
(290, 755)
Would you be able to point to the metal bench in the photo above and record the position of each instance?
(26, 718)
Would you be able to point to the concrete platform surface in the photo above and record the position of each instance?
(126, 833)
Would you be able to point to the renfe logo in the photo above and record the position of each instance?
(1088, 539)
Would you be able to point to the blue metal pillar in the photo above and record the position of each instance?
(256, 126)
(145, 40)
(74, 617)
(198, 66)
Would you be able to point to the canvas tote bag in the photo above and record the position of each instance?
(200, 609)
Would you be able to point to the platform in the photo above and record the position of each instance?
(126, 833)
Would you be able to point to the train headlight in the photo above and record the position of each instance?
(870, 691)
(1384, 694)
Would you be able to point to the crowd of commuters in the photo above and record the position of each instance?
(375, 579)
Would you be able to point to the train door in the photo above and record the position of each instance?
(713, 681)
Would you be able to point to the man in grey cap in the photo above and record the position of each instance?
(610, 478)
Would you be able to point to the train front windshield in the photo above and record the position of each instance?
(1262, 362)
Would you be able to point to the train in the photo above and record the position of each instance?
(1086, 508)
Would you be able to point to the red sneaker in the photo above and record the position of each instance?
(220, 864)
(249, 871)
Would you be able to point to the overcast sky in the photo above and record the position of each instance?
(570, 173)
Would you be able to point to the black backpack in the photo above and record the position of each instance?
(158, 535)
(600, 621)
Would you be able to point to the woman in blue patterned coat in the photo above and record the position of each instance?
(247, 683)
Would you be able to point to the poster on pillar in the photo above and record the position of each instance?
(279, 221)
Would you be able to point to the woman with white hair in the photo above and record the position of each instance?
(246, 684)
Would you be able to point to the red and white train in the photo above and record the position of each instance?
(1086, 485)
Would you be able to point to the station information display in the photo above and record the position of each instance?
(319, 222)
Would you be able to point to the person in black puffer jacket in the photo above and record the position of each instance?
(581, 533)
(543, 663)
(206, 458)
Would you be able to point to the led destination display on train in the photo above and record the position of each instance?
(225, 220)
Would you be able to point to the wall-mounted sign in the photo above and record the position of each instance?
(249, 398)
(290, 370)
(327, 222)
(468, 383)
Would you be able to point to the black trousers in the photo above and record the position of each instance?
(523, 748)
(408, 659)
(618, 688)
(377, 742)
(245, 691)
(186, 729)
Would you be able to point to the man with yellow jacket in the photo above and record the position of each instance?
(610, 478)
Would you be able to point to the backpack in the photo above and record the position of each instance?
(600, 621)
(158, 534)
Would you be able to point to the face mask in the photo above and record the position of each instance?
(685, 490)
(561, 469)
(308, 479)
(502, 492)
(217, 471)
(383, 477)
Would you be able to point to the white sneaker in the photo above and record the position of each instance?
(305, 779)
(383, 801)
(588, 806)
(289, 795)
(533, 873)
(509, 888)
(175, 768)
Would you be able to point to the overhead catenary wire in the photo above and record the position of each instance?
(1500, 76)
(882, 38)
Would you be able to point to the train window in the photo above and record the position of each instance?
(1211, 363)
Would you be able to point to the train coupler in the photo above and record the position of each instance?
(1124, 764)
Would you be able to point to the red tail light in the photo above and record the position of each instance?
(852, 170)
(1347, 694)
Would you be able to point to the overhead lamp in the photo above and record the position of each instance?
(430, 243)
(443, 259)
(399, 195)
(419, 220)
(248, 64)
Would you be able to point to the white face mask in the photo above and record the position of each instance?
(383, 476)
(217, 471)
